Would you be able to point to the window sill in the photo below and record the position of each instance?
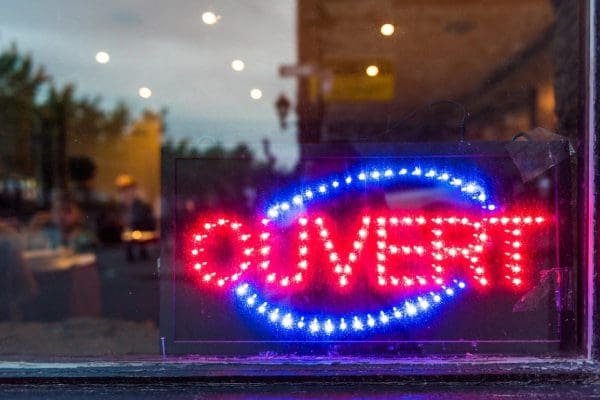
(301, 370)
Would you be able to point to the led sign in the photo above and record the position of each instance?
(411, 262)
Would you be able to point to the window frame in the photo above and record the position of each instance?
(581, 369)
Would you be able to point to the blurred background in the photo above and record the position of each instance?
(93, 93)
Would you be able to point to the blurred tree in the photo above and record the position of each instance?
(57, 118)
(119, 145)
(88, 119)
(42, 124)
(89, 122)
(231, 179)
(20, 84)
(117, 120)
(76, 127)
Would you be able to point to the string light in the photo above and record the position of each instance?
(373, 176)
(324, 325)
(448, 244)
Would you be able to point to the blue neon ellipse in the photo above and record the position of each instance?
(374, 176)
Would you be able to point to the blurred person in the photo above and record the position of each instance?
(17, 284)
(108, 223)
(137, 215)
(63, 227)
(99, 213)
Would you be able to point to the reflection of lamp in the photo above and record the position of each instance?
(282, 104)
(372, 70)
(387, 29)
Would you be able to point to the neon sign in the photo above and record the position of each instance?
(418, 260)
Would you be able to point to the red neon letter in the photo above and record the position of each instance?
(221, 245)
(429, 250)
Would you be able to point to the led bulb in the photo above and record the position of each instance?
(370, 321)
(328, 327)
(343, 325)
(411, 310)
(242, 290)
(383, 318)
(314, 326)
(287, 321)
(357, 325)
(274, 316)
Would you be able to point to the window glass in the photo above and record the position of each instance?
(396, 178)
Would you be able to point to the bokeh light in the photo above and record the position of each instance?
(256, 94)
(144, 92)
(372, 70)
(102, 57)
(238, 65)
(210, 18)
(387, 29)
